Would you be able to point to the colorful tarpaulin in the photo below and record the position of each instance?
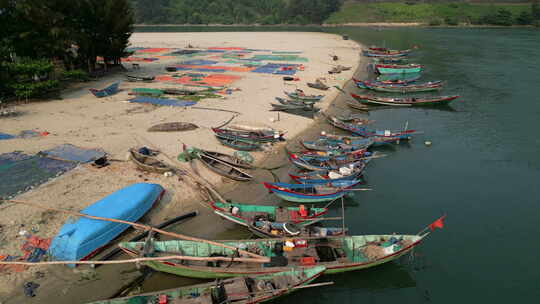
(153, 50)
(163, 102)
(208, 80)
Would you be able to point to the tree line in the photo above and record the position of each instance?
(39, 36)
(234, 11)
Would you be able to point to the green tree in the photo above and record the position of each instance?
(535, 10)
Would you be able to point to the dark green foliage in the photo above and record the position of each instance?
(524, 18)
(77, 75)
(28, 78)
(535, 10)
(451, 20)
(234, 11)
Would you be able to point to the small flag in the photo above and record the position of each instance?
(438, 223)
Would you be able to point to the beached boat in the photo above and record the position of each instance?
(311, 193)
(357, 106)
(108, 91)
(238, 143)
(173, 127)
(82, 238)
(404, 102)
(243, 214)
(317, 165)
(239, 290)
(148, 162)
(334, 155)
(318, 85)
(289, 108)
(398, 68)
(223, 168)
(299, 95)
(230, 159)
(294, 102)
(399, 88)
(337, 254)
(351, 140)
(255, 136)
(135, 78)
(325, 176)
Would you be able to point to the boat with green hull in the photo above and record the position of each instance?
(244, 214)
(240, 290)
(398, 68)
(337, 254)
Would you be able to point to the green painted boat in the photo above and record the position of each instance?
(398, 69)
(243, 214)
(337, 254)
(238, 143)
(240, 290)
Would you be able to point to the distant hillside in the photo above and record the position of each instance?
(435, 12)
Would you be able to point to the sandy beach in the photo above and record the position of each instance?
(114, 125)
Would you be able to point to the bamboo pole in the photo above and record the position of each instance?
(140, 226)
(135, 260)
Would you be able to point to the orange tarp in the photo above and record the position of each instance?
(214, 80)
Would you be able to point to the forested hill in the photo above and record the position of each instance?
(234, 11)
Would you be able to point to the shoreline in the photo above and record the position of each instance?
(52, 286)
(329, 25)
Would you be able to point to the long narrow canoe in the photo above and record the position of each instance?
(223, 168)
(377, 140)
(369, 53)
(242, 214)
(357, 105)
(81, 239)
(317, 165)
(240, 290)
(293, 107)
(238, 143)
(304, 97)
(326, 176)
(348, 145)
(230, 159)
(401, 78)
(404, 102)
(337, 254)
(294, 102)
(148, 163)
(311, 193)
(255, 136)
(398, 69)
(358, 130)
(399, 88)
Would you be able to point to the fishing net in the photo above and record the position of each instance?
(20, 172)
(188, 154)
(244, 156)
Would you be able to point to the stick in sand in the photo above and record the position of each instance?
(141, 226)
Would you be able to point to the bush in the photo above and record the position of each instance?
(435, 22)
(524, 18)
(76, 75)
(451, 20)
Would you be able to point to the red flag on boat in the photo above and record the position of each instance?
(438, 223)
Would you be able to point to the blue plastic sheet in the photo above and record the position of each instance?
(4, 136)
(163, 102)
(199, 62)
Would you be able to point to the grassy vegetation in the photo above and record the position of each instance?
(429, 13)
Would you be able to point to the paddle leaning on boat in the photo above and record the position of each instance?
(404, 101)
(239, 290)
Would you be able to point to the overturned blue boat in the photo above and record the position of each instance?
(82, 238)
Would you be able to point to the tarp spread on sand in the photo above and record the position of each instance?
(6, 136)
(20, 172)
(163, 101)
(73, 153)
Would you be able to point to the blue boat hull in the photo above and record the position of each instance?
(80, 239)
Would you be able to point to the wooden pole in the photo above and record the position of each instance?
(135, 260)
(140, 226)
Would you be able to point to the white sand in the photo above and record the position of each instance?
(115, 126)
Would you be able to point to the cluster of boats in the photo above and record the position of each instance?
(396, 75)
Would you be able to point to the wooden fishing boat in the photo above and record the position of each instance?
(240, 290)
(402, 78)
(299, 95)
(238, 143)
(84, 237)
(324, 144)
(230, 159)
(148, 162)
(357, 105)
(311, 193)
(223, 168)
(294, 102)
(359, 130)
(386, 51)
(173, 127)
(243, 214)
(286, 108)
(108, 91)
(334, 155)
(318, 165)
(404, 102)
(337, 254)
(318, 85)
(376, 140)
(250, 127)
(134, 78)
(399, 60)
(399, 88)
(283, 230)
(325, 176)
(398, 68)
(255, 136)
(368, 53)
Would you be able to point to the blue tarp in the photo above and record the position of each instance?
(72, 153)
(274, 68)
(163, 102)
(6, 136)
(286, 72)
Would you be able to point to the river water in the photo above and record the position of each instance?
(482, 170)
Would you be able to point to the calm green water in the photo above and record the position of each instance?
(483, 171)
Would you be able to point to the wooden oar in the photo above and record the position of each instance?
(141, 226)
